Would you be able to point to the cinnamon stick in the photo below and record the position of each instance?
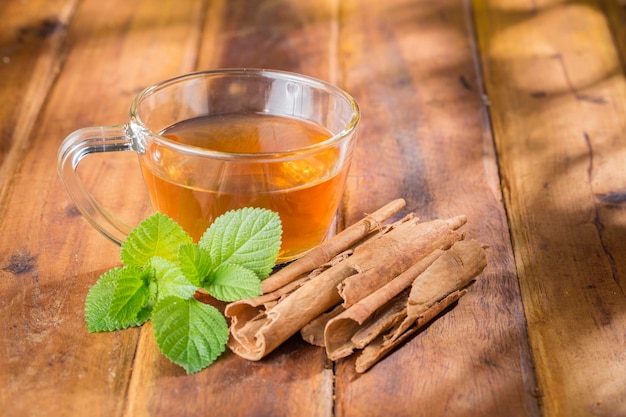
(442, 284)
(256, 331)
(369, 288)
(313, 332)
(453, 271)
(332, 247)
(424, 238)
(381, 346)
(339, 331)
(251, 315)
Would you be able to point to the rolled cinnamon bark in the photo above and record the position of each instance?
(332, 247)
(257, 330)
(412, 242)
(441, 285)
(260, 324)
(339, 330)
(453, 271)
(369, 288)
(380, 347)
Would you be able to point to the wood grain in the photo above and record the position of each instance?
(558, 111)
(296, 36)
(511, 112)
(50, 255)
(296, 380)
(31, 40)
(425, 138)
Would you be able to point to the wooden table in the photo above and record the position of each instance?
(512, 112)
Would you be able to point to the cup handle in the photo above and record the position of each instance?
(73, 149)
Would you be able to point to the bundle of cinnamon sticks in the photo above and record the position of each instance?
(367, 289)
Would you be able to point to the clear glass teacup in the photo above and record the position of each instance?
(214, 141)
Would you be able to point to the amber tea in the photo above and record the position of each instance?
(213, 141)
(304, 191)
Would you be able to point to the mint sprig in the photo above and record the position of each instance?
(163, 269)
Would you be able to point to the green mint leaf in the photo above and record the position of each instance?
(233, 282)
(131, 294)
(249, 237)
(195, 263)
(158, 235)
(143, 315)
(170, 279)
(189, 333)
(99, 301)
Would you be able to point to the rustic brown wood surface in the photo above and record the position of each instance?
(560, 142)
(510, 112)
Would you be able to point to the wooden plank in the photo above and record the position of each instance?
(615, 11)
(612, 202)
(285, 35)
(557, 91)
(50, 256)
(295, 380)
(425, 137)
(30, 43)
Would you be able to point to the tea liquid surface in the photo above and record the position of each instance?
(305, 191)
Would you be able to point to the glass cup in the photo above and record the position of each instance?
(307, 126)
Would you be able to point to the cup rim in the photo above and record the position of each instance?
(348, 130)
